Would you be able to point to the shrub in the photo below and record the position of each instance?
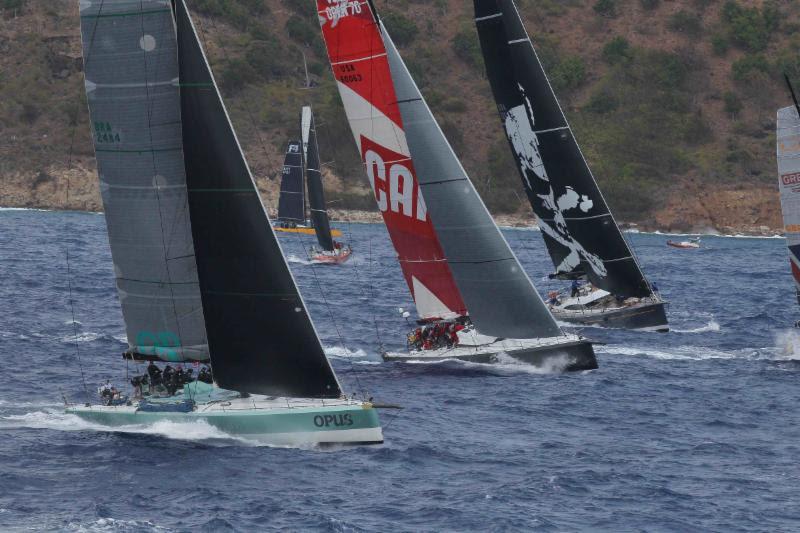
(569, 74)
(744, 69)
(685, 22)
(467, 47)
(719, 44)
(11, 4)
(402, 29)
(732, 103)
(606, 8)
(603, 101)
(750, 28)
(649, 4)
(616, 50)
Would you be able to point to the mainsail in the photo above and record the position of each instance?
(316, 192)
(260, 337)
(292, 200)
(789, 183)
(358, 58)
(131, 69)
(578, 228)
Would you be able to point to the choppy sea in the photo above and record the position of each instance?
(695, 430)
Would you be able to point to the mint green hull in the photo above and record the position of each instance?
(315, 425)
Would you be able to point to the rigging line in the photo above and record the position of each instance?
(296, 236)
(73, 133)
(156, 187)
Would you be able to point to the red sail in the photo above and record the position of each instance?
(358, 58)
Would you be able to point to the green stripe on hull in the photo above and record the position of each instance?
(248, 422)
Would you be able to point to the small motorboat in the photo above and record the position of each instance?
(690, 244)
(340, 254)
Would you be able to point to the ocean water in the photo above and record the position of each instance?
(695, 430)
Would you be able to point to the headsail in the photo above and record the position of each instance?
(292, 200)
(789, 184)
(316, 192)
(578, 228)
(359, 63)
(501, 299)
(131, 68)
(260, 335)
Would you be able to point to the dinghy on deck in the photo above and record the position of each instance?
(579, 230)
(199, 270)
(456, 261)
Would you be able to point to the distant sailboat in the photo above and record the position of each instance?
(329, 251)
(200, 273)
(579, 230)
(788, 140)
(448, 240)
(299, 175)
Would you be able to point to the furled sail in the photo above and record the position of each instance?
(316, 193)
(500, 297)
(789, 183)
(361, 69)
(131, 68)
(578, 228)
(292, 199)
(260, 335)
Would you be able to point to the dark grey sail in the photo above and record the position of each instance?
(260, 335)
(580, 232)
(501, 299)
(292, 200)
(316, 192)
(131, 69)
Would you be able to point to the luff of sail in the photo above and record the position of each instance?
(358, 59)
(316, 192)
(501, 299)
(579, 230)
(788, 140)
(291, 202)
(131, 69)
(260, 335)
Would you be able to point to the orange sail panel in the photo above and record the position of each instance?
(360, 66)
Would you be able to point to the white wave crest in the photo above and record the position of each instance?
(505, 365)
(685, 353)
(88, 336)
(344, 353)
(292, 258)
(787, 344)
(711, 326)
(103, 525)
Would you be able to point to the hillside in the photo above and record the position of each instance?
(673, 102)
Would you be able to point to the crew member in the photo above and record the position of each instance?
(576, 288)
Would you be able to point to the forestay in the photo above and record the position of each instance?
(360, 66)
(789, 183)
(501, 299)
(316, 192)
(292, 200)
(131, 68)
(260, 335)
(578, 228)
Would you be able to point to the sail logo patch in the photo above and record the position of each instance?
(333, 420)
(339, 9)
(791, 179)
(395, 187)
(105, 134)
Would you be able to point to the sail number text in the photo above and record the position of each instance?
(395, 187)
(348, 74)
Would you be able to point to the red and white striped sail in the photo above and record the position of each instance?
(360, 66)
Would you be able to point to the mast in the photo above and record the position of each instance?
(291, 202)
(131, 69)
(501, 299)
(580, 232)
(788, 153)
(260, 334)
(358, 59)
(316, 192)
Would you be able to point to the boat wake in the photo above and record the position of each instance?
(192, 431)
(703, 353)
(292, 258)
(506, 366)
(358, 356)
(787, 345)
(712, 326)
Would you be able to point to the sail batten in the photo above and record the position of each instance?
(557, 180)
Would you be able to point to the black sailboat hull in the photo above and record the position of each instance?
(648, 317)
(565, 357)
